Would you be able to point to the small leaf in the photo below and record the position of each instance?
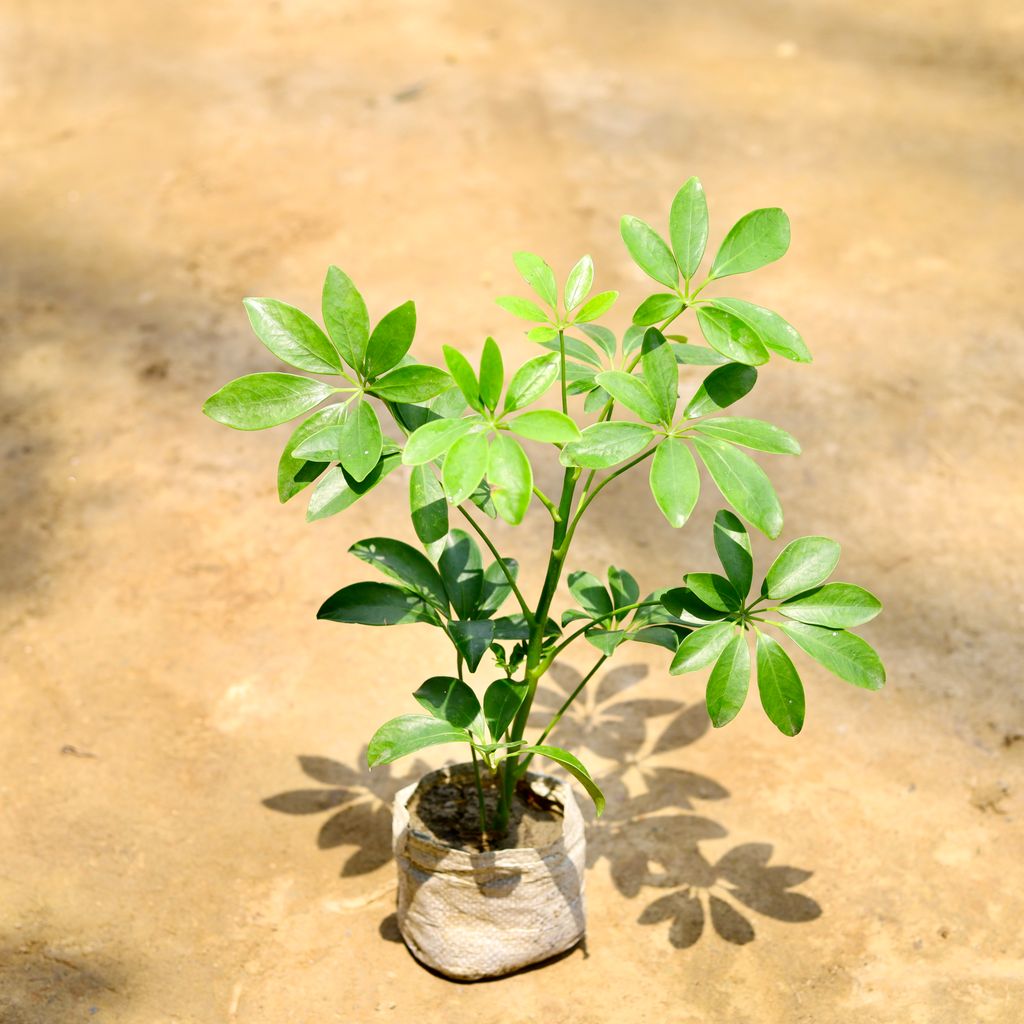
(605, 640)
(576, 349)
(292, 336)
(661, 373)
(510, 476)
(596, 400)
(545, 425)
(538, 275)
(449, 700)
(530, 381)
(674, 481)
(778, 682)
(462, 372)
(522, 308)
(575, 768)
(696, 355)
(714, 590)
(649, 250)
(346, 318)
(690, 609)
(772, 329)
(595, 307)
(756, 434)
(409, 733)
(623, 586)
(731, 336)
(656, 308)
(732, 542)
(496, 587)
(842, 653)
(461, 569)
(465, 466)
(802, 564)
(472, 639)
(633, 338)
(720, 389)
(602, 337)
(688, 226)
(262, 400)
(391, 339)
(295, 473)
(360, 440)
(492, 374)
(541, 334)
(428, 505)
(728, 682)
(376, 604)
(594, 599)
(702, 647)
(755, 240)
(404, 563)
(606, 444)
(433, 439)
(412, 383)
(336, 490)
(632, 392)
(501, 702)
(578, 283)
(837, 605)
(743, 484)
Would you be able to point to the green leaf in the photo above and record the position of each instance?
(778, 682)
(755, 240)
(688, 226)
(295, 473)
(449, 700)
(593, 598)
(623, 586)
(462, 372)
(292, 336)
(600, 336)
(731, 336)
(404, 563)
(541, 334)
(632, 392)
(538, 275)
(545, 425)
(346, 318)
(837, 605)
(510, 476)
(575, 768)
(633, 338)
(728, 682)
(472, 639)
(656, 308)
(433, 439)
(774, 332)
(412, 383)
(409, 733)
(714, 590)
(690, 609)
(720, 389)
(262, 400)
(361, 440)
(649, 250)
(674, 481)
(376, 604)
(522, 308)
(842, 653)
(696, 355)
(578, 283)
(595, 307)
(501, 702)
(661, 373)
(605, 640)
(606, 444)
(336, 490)
(530, 381)
(596, 400)
(732, 542)
(391, 339)
(462, 571)
(743, 484)
(465, 466)
(576, 349)
(496, 587)
(802, 564)
(428, 505)
(513, 627)
(756, 434)
(492, 374)
(701, 647)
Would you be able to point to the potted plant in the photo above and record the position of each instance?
(490, 852)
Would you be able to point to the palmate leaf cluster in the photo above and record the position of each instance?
(468, 434)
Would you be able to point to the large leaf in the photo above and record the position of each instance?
(530, 381)
(674, 480)
(578, 283)
(346, 318)
(538, 275)
(632, 392)
(843, 653)
(492, 374)
(465, 466)
(728, 682)
(433, 439)
(702, 646)
(501, 702)
(756, 239)
(545, 425)
(361, 440)
(661, 374)
(714, 590)
(732, 543)
(756, 434)
(376, 604)
(411, 383)
(837, 605)
(409, 733)
(688, 226)
(510, 476)
(428, 505)
(690, 609)
(336, 490)
(802, 564)
(595, 307)
(295, 473)
(292, 336)
(404, 563)
(649, 250)
(731, 336)
(391, 339)
(462, 571)
(743, 484)
(262, 400)
(575, 768)
(720, 389)
(472, 639)
(778, 682)
(772, 329)
(594, 599)
(695, 355)
(449, 700)
(656, 308)
(606, 444)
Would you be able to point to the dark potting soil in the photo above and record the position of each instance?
(450, 813)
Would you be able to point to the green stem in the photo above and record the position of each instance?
(501, 563)
(561, 360)
(547, 503)
(593, 622)
(480, 799)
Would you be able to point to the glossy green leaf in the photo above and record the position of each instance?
(294, 473)
(623, 586)
(579, 282)
(674, 480)
(778, 682)
(472, 639)
(262, 400)
(409, 733)
(376, 604)
(391, 339)
(530, 381)
(292, 336)
(545, 425)
(404, 563)
(595, 307)
(688, 226)
(602, 337)
(464, 466)
(462, 373)
(632, 392)
(492, 374)
(837, 605)
(449, 700)
(575, 768)
(596, 400)
(772, 329)
(428, 505)
(346, 318)
(538, 275)
(743, 484)
(361, 440)
(512, 627)
(461, 569)
(496, 587)
(690, 609)
(649, 250)
(661, 373)
(702, 646)
(733, 337)
(412, 383)
(541, 334)
(591, 594)
(576, 349)
(802, 564)
(501, 702)
(696, 355)
(435, 438)
(732, 542)
(656, 308)
(721, 388)
(633, 338)
(714, 590)
(755, 240)
(525, 309)
(605, 640)
(756, 434)
(510, 476)
(842, 653)
(607, 444)
(336, 490)
(729, 682)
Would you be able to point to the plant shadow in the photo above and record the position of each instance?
(650, 834)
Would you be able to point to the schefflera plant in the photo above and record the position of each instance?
(468, 434)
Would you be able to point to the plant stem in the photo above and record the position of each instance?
(593, 622)
(546, 502)
(480, 799)
(501, 563)
(561, 360)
